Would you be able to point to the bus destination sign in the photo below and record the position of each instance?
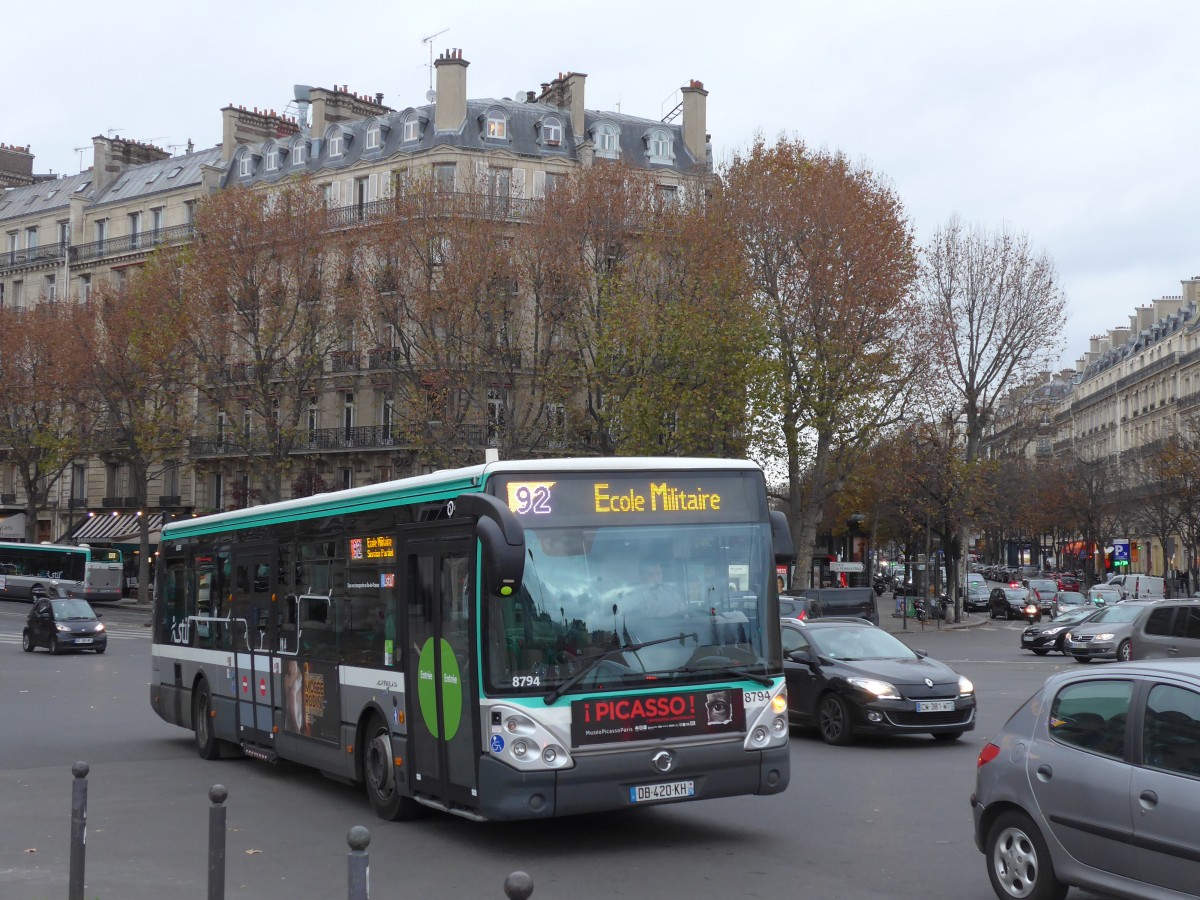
(603, 720)
(377, 547)
(575, 499)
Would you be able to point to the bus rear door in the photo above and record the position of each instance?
(254, 638)
(443, 719)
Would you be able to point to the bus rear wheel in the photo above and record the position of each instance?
(379, 773)
(207, 744)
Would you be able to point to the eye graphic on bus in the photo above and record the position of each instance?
(720, 712)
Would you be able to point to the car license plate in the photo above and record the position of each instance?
(83, 640)
(671, 790)
(1027, 638)
(935, 706)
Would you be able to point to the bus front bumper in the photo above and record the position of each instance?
(604, 781)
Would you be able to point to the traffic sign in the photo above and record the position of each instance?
(845, 567)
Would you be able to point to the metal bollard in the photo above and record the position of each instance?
(78, 829)
(518, 886)
(216, 842)
(359, 864)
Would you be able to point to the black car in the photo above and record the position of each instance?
(792, 607)
(849, 677)
(1013, 603)
(1042, 638)
(61, 623)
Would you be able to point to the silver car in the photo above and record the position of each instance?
(1094, 782)
(1107, 635)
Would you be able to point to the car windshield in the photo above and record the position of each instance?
(1043, 584)
(852, 642)
(1075, 615)
(72, 609)
(691, 598)
(1116, 614)
(1069, 598)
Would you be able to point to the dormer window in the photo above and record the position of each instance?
(659, 146)
(337, 144)
(299, 152)
(412, 128)
(552, 131)
(175, 171)
(608, 141)
(246, 166)
(272, 158)
(373, 136)
(497, 125)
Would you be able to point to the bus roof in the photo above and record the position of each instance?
(442, 485)
(44, 545)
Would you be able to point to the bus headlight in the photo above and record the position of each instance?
(779, 702)
(519, 749)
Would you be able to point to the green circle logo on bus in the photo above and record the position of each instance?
(452, 698)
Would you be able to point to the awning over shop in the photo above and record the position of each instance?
(12, 527)
(119, 529)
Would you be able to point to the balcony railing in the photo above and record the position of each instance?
(15, 259)
(167, 501)
(320, 440)
(119, 502)
(8, 499)
(130, 243)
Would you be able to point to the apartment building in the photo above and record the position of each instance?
(63, 236)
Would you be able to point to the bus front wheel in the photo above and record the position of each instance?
(379, 772)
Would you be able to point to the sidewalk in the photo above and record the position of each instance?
(893, 623)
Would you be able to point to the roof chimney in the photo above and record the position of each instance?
(450, 110)
(695, 124)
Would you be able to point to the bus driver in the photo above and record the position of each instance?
(652, 597)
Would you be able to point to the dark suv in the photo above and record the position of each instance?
(1169, 629)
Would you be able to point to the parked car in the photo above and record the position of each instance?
(1103, 595)
(1094, 782)
(1041, 638)
(1045, 592)
(1107, 635)
(1068, 600)
(846, 678)
(1169, 631)
(1010, 602)
(843, 602)
(793, 607)
(58, 623)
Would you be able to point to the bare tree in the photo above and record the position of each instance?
(997, 313)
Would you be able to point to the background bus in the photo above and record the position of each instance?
(476, 640)
(92, 573)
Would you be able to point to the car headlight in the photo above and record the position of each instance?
(1051, 631)
(100, 627)
(1106, 636)
(60, 627)
(881, 689)
(965, 686)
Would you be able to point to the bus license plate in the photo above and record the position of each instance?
(935, 706)
(671, 790)
(83, 640)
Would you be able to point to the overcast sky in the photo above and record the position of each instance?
(1074, 122)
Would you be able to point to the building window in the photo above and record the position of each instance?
(312, 420)
(337, 142)
(669, 195)
(348, 414)
(50, 290)
(499, 183)
(170, 479)
(1, 294)
(412, 129)
(658, 146)
(78, 485)
(64, 233)
(387, 417)
(497, 125)
(443, 176)
(157, 217)
(85, 288)
(272, 159)
(14, 244)
(299, 153)
(18, 298)
(31, 239)
(552, 131)
(373, 138)
(247, 426)
(346, 477)
(101, 230)
(246, 166)
(216, 490)
(608, 141)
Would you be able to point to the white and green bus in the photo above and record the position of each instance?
(91, 573)
(475, 640)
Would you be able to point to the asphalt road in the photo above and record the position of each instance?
(884, 818)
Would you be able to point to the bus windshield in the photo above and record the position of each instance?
(694, 594)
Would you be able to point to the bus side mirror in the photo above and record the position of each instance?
(781, 538)
(502, 540)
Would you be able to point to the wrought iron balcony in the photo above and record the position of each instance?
(8, 499)
(119, 502)
(324, 440)
(15, 259)
(131, 243)
(169, 500)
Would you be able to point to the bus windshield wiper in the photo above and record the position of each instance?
(731, 669)
(590, 662)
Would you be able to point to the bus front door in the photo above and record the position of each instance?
(443, 721)
(253, 626)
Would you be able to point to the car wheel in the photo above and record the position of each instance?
(1040, 652)
(1018, 862)
(833, 720)
(1082, 659)
(947, 736)
(207, 744)
(379, 773)
(26, 641)
(1125, 651)
(54, 647)
(102, 649)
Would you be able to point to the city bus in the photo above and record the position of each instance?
(474, 640)
(88, 572)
